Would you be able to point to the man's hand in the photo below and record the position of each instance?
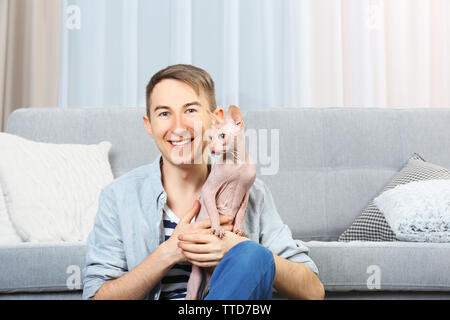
(198, 227)
(204, 249)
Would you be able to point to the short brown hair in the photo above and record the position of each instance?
(195, 77)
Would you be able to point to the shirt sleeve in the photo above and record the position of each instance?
(277, 236)
(105, 257)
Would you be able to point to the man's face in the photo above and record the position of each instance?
(178, 119)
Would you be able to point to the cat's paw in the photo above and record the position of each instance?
(218, 232)
(238, 231)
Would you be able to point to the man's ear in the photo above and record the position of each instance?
(235, 114)
(148, 125)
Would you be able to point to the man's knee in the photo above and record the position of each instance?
(248, 253)
(247, 270)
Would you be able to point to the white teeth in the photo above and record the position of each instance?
(180, 143)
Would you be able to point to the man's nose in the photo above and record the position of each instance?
(179, 126)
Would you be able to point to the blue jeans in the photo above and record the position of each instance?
(246, 272)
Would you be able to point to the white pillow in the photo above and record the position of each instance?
(8, 234)
(418, 211)
(52, 189)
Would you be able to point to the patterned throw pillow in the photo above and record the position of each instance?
(372, 225)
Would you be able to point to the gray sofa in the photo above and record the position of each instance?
(332, 162)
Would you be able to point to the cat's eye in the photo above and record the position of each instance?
(222, 136)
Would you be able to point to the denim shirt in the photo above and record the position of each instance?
(128, 227)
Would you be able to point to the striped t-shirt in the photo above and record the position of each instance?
(174, 283)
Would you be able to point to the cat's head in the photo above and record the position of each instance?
(225, 134)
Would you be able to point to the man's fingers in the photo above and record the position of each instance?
(194, 247)
(191, 213)
(207, 264)
(224, 218)
(200, 257)
(196, 237)
(228, 227)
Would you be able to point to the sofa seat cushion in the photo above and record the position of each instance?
(356, 265)
(43, 267)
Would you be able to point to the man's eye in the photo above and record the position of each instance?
(191, 110)
(164, 114)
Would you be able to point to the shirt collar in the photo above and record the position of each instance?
(154, 180)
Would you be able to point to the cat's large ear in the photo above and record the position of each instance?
(217, 116)
(235, 115)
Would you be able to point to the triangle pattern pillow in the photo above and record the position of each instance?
(52, 190)
(372, 225)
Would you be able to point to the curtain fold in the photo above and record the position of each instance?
(265, 53)
(29, 55)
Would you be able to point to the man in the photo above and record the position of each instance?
(144, 239)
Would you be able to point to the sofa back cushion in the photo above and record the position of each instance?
(332, 161)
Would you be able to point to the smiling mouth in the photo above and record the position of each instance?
(181, 142)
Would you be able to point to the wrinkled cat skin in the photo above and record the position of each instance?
(226, 190)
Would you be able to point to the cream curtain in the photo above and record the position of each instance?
(29, 55)
(263, 53)
(398, 56)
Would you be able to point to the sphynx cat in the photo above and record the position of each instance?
(226, 189)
